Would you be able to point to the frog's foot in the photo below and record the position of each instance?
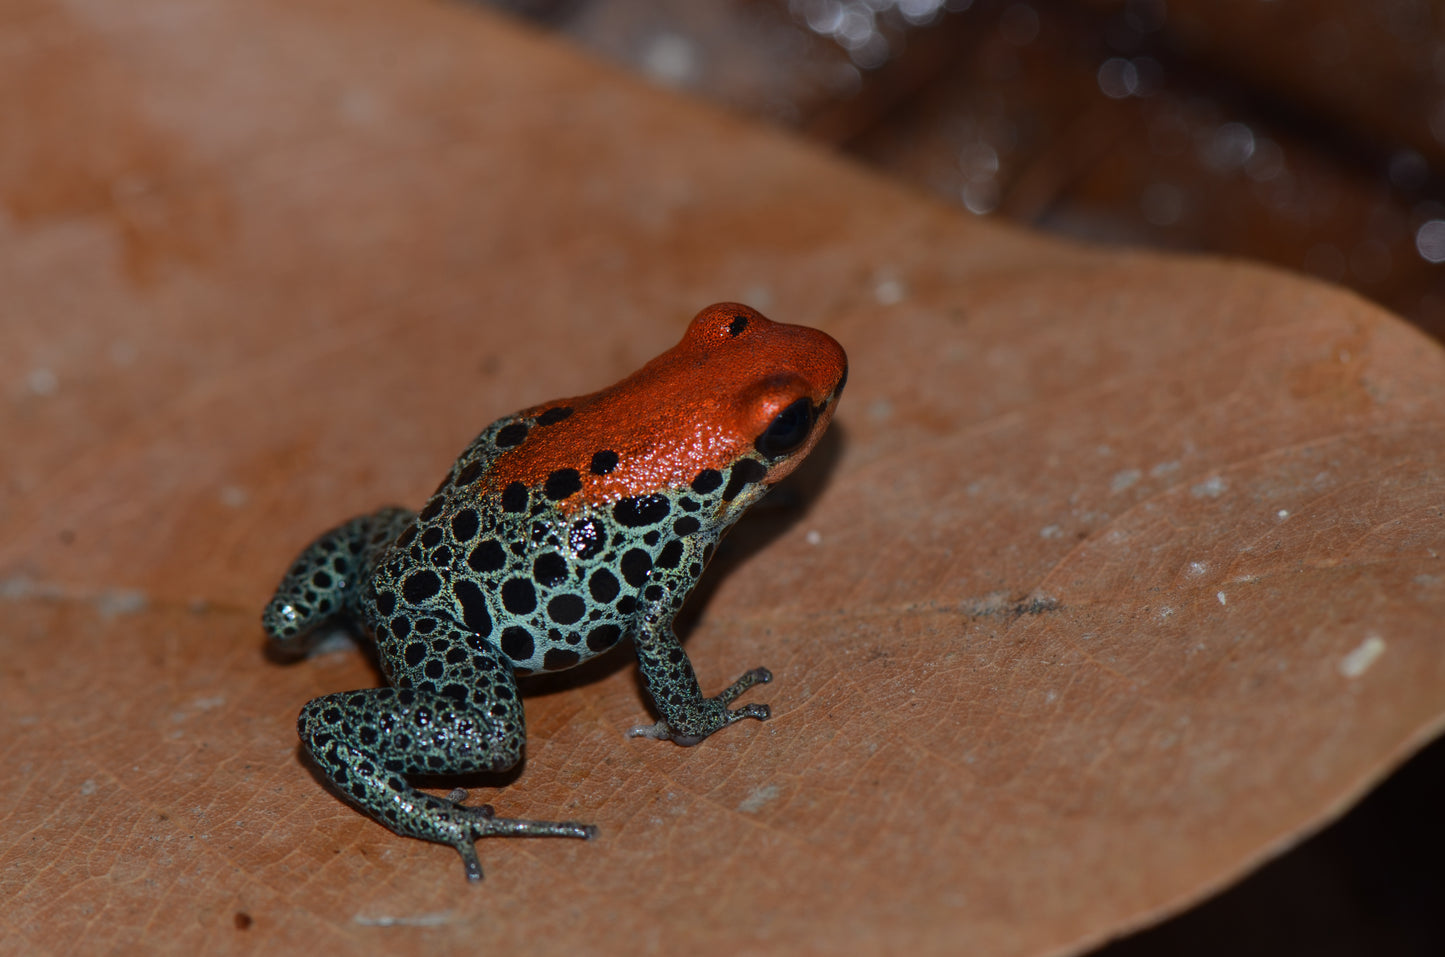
(482, 822)
(367, 743)
(713, 716)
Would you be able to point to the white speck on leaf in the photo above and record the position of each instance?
(419, 920)
(890, 292)
(120, 601)
(1212, 487)
(671, 59)
(1362, 658)
(1124, 479)
(43, 382)
(1220, 596)
(114, 601)
(760, 798)
(16, 588)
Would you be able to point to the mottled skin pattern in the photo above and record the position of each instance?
(559, 531)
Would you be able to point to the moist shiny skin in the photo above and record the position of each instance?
(559, 531)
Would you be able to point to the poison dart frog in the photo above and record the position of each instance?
(558, 532)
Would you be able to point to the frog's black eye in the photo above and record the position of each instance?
(787, 431)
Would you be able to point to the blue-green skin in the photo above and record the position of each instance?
(445, 593)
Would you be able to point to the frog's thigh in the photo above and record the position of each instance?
(366, 741)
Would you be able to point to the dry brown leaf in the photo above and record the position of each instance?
(1116, 574)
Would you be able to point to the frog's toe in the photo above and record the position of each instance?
(761, 712)
(470, 864)
(722, 717)
(660, 731)
(757, 676)
(481, 821)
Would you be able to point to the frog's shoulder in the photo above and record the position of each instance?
(477, 458)
(466, 483)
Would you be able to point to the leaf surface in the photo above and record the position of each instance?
(1116, 574)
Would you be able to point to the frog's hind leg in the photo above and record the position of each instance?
(366, 743)
(326, 578)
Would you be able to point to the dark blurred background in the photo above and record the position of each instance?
(1309, 134)
(1305, 133)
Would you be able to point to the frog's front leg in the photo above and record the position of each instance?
(326, 579)
(366, 742)
(667, 674)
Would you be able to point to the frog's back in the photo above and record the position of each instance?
(549, 586)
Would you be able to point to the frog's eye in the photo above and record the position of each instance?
(788, 430)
